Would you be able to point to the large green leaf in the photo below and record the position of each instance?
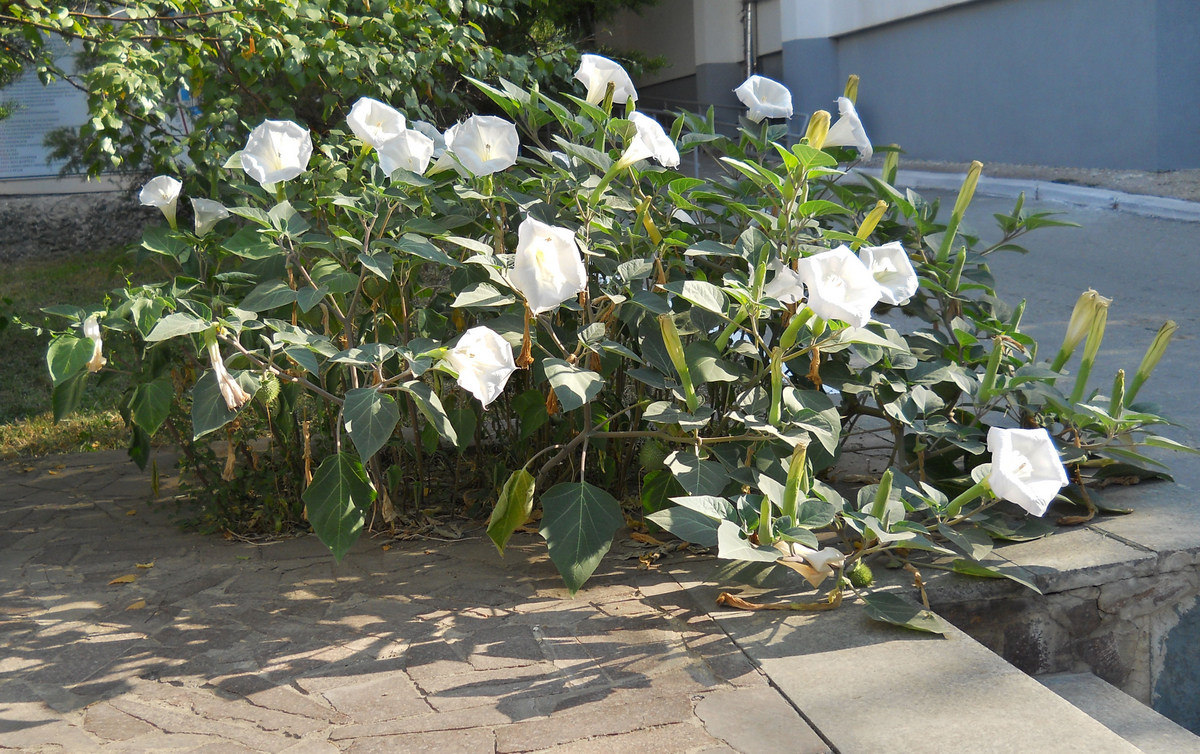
(732, 546)
(370, 417)
(250, 243)
(209, 411)
(65, 396)
(431, 408)
(573, 386)
(337, 501)
(697, 477)
(688, 525)
(151, 403)
(268, 296)
(898, 611)
(699, 293)
(482, 294)
(578, 524)
(174, 325)
(67, 357)
(512, 509)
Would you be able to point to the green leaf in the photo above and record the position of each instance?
(430, 407)
(465, 421)
(662, 412)
(697, 477)
(706, 365)
(337, 501)
(898, 611)
(268, 296)
(209, 412)
(969, 567)
(249, 243)
(688, 525)
(732, 546)
(699, 293)
(814, 513)
(531, 409)
(174, 325)
(67, 356)
(1158, 441)
(380, 263)
(151, 403)
(578, 524)
(513, 509)
(65, 396)
(370, 417)
(573, 386)
(482, 295)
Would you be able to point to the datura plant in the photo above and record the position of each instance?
(542, 292)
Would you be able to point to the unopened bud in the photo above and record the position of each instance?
(871, 220)
(1118, 395)
(1087, 307)
(796, 481)
(674, 344)
(891, 163)
(818, 129)
(967, 191)
(1153, 355)
(1091, 347)
(851, 92)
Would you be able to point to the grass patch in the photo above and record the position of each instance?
(27, 427)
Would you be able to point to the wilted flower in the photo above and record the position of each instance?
(839, 286)
(483, 144)
(277, 150)
(1026, 469)
(163, 192)
(411, 150)
(818, 565)
(848, 131)
(548, 268)
(596, 72)
(890, 266)
(91, 329)
(208, 213)
(375, 122)
(651, 141)
(765, 98)
(231, 391)
(484, 362)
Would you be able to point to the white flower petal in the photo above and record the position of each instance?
(411, 150)
(651, 141)
(764, 98)
(277, 150)
(484, 361)
(848, 131)
(375, 122)
(548, 268)
(1026, 468)
(839, 286)
(483, 144)
(893, 271)
(160, 191)
(208, 213)
(787, 286)
(596, 72)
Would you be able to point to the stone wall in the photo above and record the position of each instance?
(51, 225)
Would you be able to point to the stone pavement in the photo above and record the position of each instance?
(119, 632)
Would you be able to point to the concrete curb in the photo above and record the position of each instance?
(1083, 196)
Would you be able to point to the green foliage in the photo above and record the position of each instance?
(699, 368)
(168, 84)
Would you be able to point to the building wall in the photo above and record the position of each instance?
(1087, 83)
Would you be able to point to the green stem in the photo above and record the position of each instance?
(975, 491)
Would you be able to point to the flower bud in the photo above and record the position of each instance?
(1117, 401)
(967, 191)
(91, 329)
(1153, 355)
(879, 506)
(674, 345)
(1087, 308)
(871, 220)
(851, 91)
(797, 481)
(818, 129)
(891, 163)
(1090, 348)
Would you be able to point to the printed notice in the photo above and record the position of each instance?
(40, 109)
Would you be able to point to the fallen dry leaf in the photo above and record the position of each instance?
(136, 605)
(145, 565)
(637, 536)
(128, 578)
(729, 600)
(131, 512)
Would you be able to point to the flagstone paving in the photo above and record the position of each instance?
(120, 632)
